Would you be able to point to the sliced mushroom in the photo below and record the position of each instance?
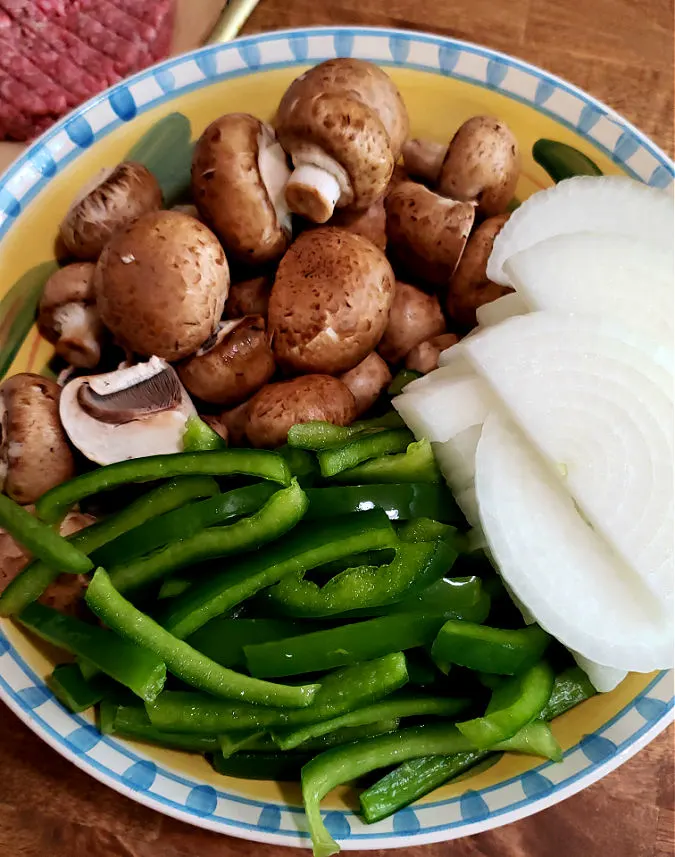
(414, 317)
(424, 357)
(366, 381)
(427, 232)
(115, 199)
(249, 297)
(233, 365)
(68, 318)
(34, 452)
(130, 413)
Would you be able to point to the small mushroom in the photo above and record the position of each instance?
(470, 287)
(370, 223)
(235, 422)
(34, 452)
(424, 357)
(218, 424)
(68, 318)
(367, 380)
(427, 232)
(343, 123)
(423, 159)
(249, 297)
(232, 365)
(414, 317)
(239, 173)
(277, 407)
(116, 198)
(330, 302)
(161, 285)
(130, 413)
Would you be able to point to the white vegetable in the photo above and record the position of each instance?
(602, 678)
(501, 309)
(608, 275)
(457, 457)
(564, 573)
(468, 502)
(607, 204)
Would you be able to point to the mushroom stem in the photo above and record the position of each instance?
(80, 332)
(275, 173)
(312, 192)
(423, 159)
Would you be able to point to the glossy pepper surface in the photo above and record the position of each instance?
(416, 464)
(491, 650)
(400, 502)
(362, 448)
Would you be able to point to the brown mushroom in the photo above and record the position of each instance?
(330, 302)
(117, 198)
(239, 173)
(161, 285)
(68, 318)
(235, 422)
(218, 424)
(34, 452)
(277, 407)
(370, 223)
(424, 357)
(367, 380)
(414, 317)
(232, 365)
(343, 123)
(427, 232)
(249, 297)
(423, 159)
(470, 287)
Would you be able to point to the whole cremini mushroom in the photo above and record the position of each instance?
(343, 123)
(424, 357)
(115, 199)
(239, 173)
(277, 407)
(232, 365)
(161, 285)
(470, 287)
(367, 380)
(249, 297)
(427, 232)
(34, 452)
(371, 223)
(133, 412)
(67, 315)
(414, 317)
(330, 302)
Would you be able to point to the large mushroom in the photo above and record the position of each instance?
(130, 413)
(34, 452)
(343, 123)
(239, 173)
(414, 317)
(330, 302)
(68, 318)
(161, 285)
(115, 199)
(232, 365)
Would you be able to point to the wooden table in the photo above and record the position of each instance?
(622, 52)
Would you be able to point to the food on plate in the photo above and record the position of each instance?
(414, 317)
(371, 223)
(249, 297)
(423, 358)
(367, 380)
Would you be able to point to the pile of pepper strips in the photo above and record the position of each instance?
(340, 546)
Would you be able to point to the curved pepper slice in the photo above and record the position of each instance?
(400, 502)
(361, 448)
(54, 504)
(200, 437)
(490, 650)
(562, 161)
(416, 464)
(132, 721)
(317, 434)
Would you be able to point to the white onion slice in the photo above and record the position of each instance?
(501, 309)
(457, 458)
(606, 204)
(603, 679)
(562, 571)
(468, 502)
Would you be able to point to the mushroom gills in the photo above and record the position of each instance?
(151, 395)
(275, 174)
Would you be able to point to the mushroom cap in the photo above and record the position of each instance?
(371, 222)
(414, 317)
(470, 287)
(367, 380)
(277, 407)
(427, 232)
(330, 301)
(238, 363)
(234, 422)
(70, 284)
(229, 189)
(120, 198)
(249, 297)
(161, 285)
(482, 163)
(34, 452)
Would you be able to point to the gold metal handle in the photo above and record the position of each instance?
(231, 20)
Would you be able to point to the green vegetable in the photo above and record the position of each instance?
(453, 598)
(129, 721)
(480, 648)
(317, 435)
(282, 767)
(403, 377)
(400, 502)
(362, 448)
(173, 587)
(535, 739)
(72, 690)
(417, 464)
(424, 529)
(181, 659)
(54, 504)
(570, 687)
(562, 161)
(303, 465)
(258, 741)
(140, 670)
(200, 437)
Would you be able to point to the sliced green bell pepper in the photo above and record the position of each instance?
(425, 529)
(362, 448)
(262, 742)
(282, 767)
(562, 161)
(200, 437)
(74, 691)
(571, 687)
(535, 739)
(400, 502)
(486, 649)
(403, 377)
(127, 721)
(317, 435)
(417, 464)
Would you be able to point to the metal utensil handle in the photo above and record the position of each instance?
(231, 20)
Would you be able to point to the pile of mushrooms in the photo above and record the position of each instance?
(346, 266)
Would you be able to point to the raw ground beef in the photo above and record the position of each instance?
(54, 54)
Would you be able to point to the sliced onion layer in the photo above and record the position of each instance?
(603, 679)
(505, 307)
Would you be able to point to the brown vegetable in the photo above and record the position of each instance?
(235, 422)
(249, 297)
(423, 159)
(370, 223)
(424, 357)
(367, 380)
(414, 316)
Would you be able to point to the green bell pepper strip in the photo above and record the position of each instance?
(571, 687)
(362, 448)
(303, 465)
(173, 587)
(342, 691)
(562, 161)
(54, 504)
(317, 435)
(535, 739)
(421, 669)
(140, 670)
(403, 377)
(343, 764)
(282, 767)
(279, 514)
(184, 522)
(200, 437)
(307, 547)
(185, 662)
(400, 502)
(246, 739)
(58, 553)
(512, 706)
(417, 464)
(414, 567)
(36, 577)
(132, 722)
(424, 529)
(72, 690)
(485, 649)
(336, 647)
(394, 707)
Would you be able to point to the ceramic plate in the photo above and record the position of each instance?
(157, 114)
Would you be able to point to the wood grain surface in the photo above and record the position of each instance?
(622, 52)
